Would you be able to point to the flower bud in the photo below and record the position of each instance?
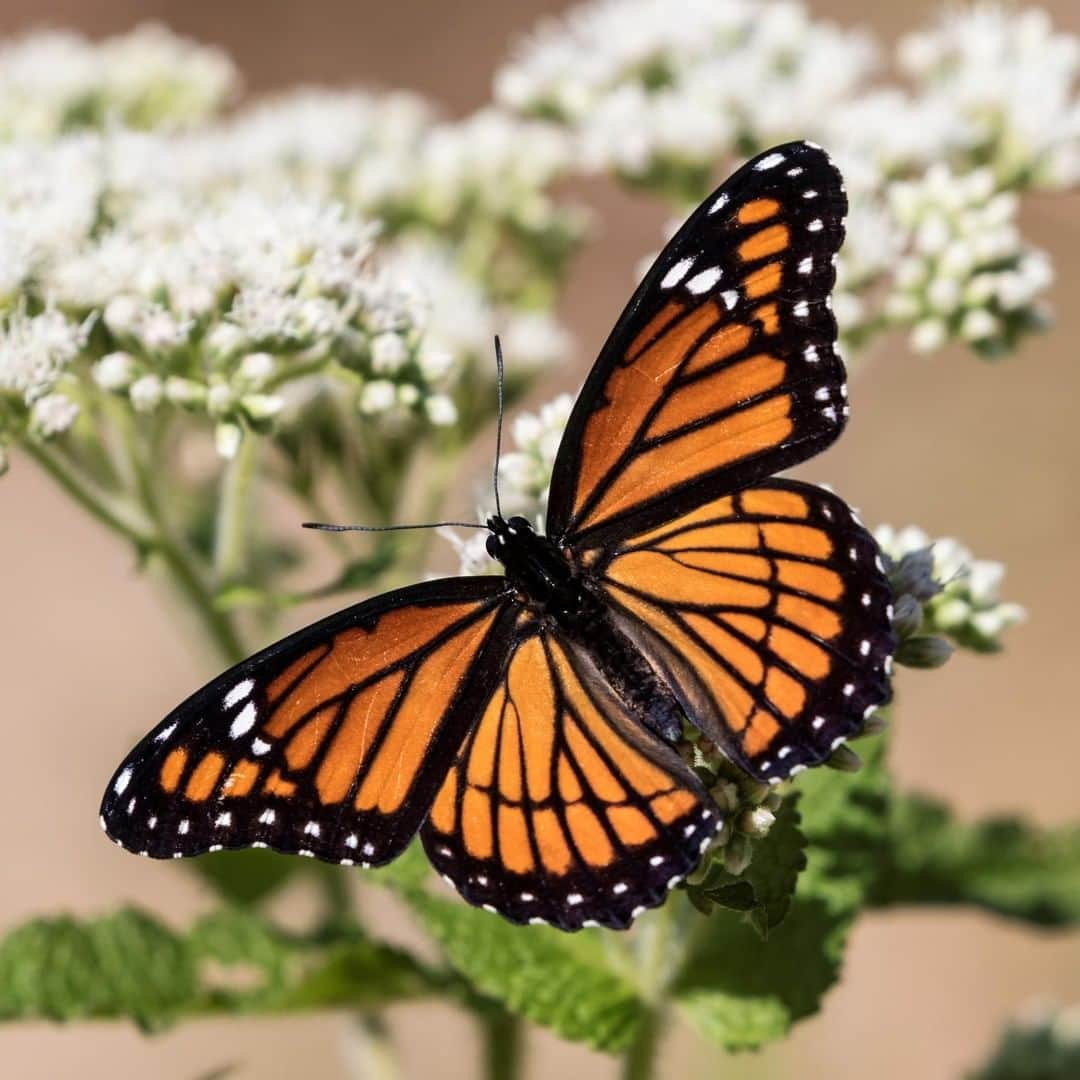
(114, 371)
(227, 440)
(924, 651)
(146, 393)
(187, 393)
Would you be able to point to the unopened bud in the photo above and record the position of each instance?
(924, 651)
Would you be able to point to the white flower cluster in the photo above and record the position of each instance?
(663, 101)
(524, 479)
(55, 81)
(645, 90)
(1013, 80)
(192, 266)
(967, 273)
(35, 351)
(968, 608)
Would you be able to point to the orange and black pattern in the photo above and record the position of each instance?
(524, 722)
(770, 613)
(331, 743)
(561, 808)
(722, 370)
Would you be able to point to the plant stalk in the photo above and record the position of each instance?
(503, 1044)
(234, 513)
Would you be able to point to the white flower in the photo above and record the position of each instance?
(114, 371)
(388, 353)
(1013, 79)
(35, 351)
(524, 475)
(378, 396)
(52, 414)
(969, 607)
(256, 368)
(441, 411)
(643, 85)
(54, 80)
(967, 274)
(146, 393)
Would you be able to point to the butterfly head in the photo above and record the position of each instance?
(534, 564)
(504, 533)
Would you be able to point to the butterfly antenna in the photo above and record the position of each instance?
(498, 429)
(389, 528)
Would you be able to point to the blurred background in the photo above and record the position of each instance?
(91, 658)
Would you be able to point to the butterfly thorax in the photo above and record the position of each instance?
(535, 566)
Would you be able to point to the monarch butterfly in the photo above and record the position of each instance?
(524, 723)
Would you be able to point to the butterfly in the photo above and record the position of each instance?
(524, 724)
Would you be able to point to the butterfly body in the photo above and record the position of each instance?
(524, 724)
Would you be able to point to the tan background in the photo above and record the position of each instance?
(91, 657)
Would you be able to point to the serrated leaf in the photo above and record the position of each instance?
(244, 877)
(741, 991)
(551, 978)
(298, 974)
(1004, 865)
(127, 964)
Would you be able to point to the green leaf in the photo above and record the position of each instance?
(765, 888)
(127, 964)
(244, 877)
(740, 990)
(1004, 865)
(554, 979)
(778, 860)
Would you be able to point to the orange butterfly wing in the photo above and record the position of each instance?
(722, 370)
(769, 615)
(560, 807)
(330, 743)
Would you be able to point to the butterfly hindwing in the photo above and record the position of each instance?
(560, 807)
(332, 742)
(769, 612)
(722, 370)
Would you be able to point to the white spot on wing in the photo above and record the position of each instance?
(122, 781)
(164, 733)
(730, 298)
(258, 747)
(816, 225)
(719, 203)
(807, 265)
(238, 693)
(244, 722)
(677, 273)
(769, 162)
(704, 281)
(223, 820)
(801, 309)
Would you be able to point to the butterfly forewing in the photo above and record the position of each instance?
(722, 370)
(768, 609)
(560, 807)
(330, 743)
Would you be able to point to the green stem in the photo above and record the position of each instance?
(640, 1060)
(234, 512)
(87, 497)
(183, 568)
(503, 1045)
